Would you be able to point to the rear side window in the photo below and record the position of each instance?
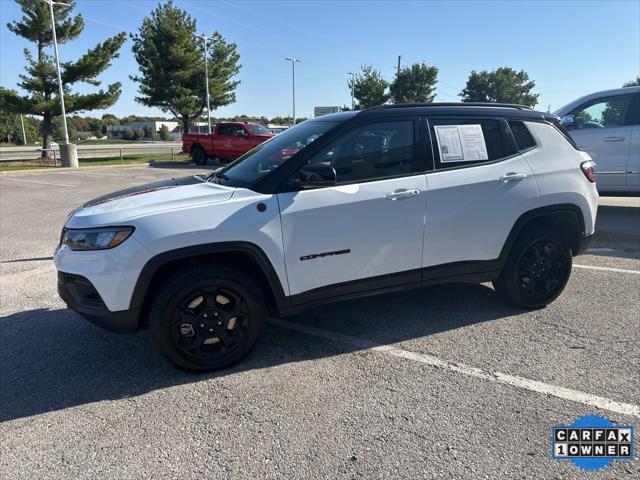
(633, 114)
(524, 139)
(462, 142)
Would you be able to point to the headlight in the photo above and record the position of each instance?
(94, 238)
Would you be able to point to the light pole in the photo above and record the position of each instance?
(55, 48)
(24, 135)
(206, 76)
(293, 83)
(353, 82)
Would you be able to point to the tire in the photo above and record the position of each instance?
(536, 271)
(192, 318)
(198, 156)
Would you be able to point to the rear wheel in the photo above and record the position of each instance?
(199, 156)
(206, 318)
(536, 271)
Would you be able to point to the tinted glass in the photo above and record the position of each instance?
(633, 113)
(226, 129)
(268, 156)
(374, 151)
(495, 143)
(606, 113)
(524, 139)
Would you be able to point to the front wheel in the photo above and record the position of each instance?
(207, 318)
(536, 271)
(199, 156)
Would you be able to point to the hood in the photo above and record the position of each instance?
(123, 205)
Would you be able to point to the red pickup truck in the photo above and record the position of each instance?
(228, 141)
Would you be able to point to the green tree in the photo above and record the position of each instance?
(172, 65)
(504, 85)
(40, 81)
(633, 83)
(415, 84)
(11, 128)
(164, 133)
(57, 127)
(369, 88)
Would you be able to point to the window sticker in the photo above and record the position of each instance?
(461, 143)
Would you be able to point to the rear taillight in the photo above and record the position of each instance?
(589, 170)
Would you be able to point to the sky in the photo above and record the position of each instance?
(568, 48)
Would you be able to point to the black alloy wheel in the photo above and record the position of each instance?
(542, 269)
(210, 323)
(536, 271)
(207, 317)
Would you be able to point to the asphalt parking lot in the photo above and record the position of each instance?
(442, 382)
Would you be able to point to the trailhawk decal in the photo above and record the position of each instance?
(325, 254)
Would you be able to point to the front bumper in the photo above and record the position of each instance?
(583, 243)
(80, 295)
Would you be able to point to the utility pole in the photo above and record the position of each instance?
(398, 70)
(353, 83)
(293, 84)
(68, 152)
(206, 76)
(24, 135)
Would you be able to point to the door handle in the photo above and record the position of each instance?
(511, 176)
(613, 139)
(402, 193)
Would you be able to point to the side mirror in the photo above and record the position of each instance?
(568, 122)
(314, 175)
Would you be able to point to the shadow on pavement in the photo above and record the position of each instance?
(53, 359)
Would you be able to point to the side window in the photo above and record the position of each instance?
(226, 129)
(524, 139)
(238, 131)
(461, 142)
(374, 151)
(605, 113)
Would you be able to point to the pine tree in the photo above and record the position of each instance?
(171, 65)
(40, 81)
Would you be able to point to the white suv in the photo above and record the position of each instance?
(606, 125)
(346, 205)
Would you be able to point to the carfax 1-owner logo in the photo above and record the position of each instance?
(592, 442)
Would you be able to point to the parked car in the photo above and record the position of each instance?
(228, 141)
(345, 205)
(607, 126)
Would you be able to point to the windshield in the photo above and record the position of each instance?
(268, 156)
(258, 130)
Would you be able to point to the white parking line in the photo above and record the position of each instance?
(607, 269)
(498, 377)
(36, 181)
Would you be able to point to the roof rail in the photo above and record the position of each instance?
(453, 104)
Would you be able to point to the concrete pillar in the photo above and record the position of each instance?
(69, 155)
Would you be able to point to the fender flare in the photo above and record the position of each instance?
(541, 212)
(254, 252)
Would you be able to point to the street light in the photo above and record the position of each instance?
(293, 83)
(206, 76)
(353, 82)
(55, 48)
